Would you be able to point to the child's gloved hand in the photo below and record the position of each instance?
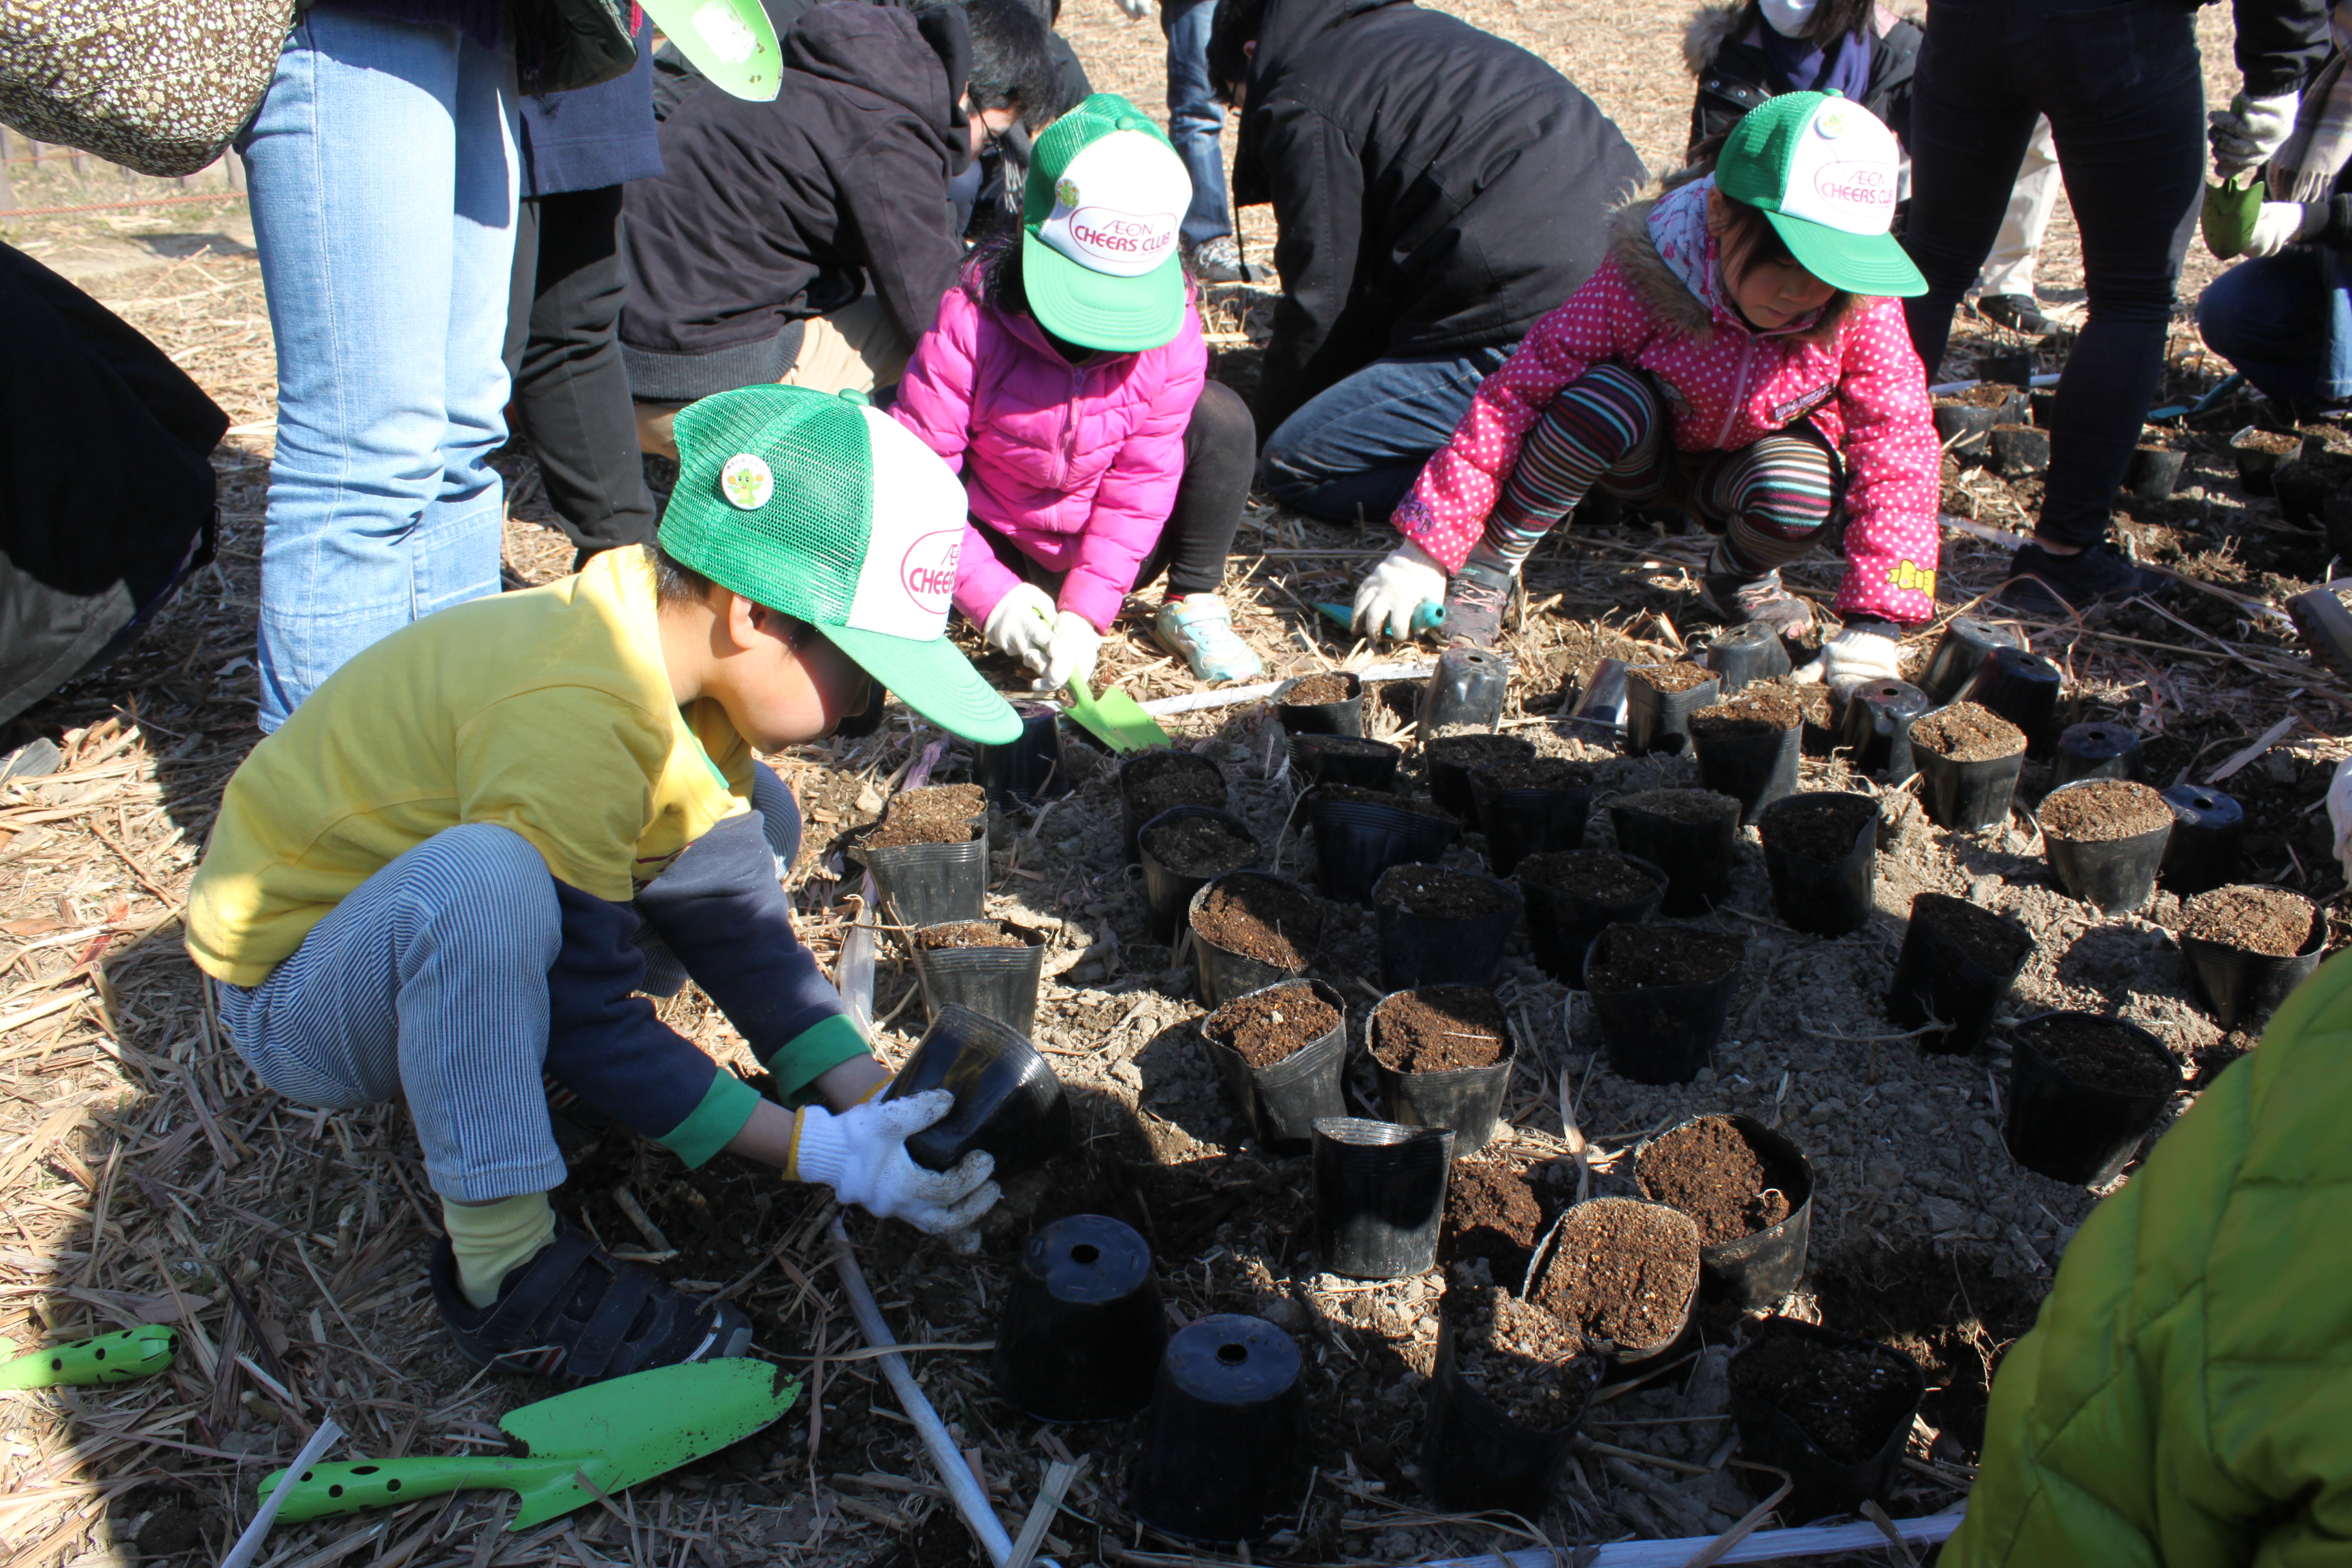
(1022, 625)
(2339, 815)
(2250, 133)
(1855, 654)
(1136, 9)
(2275, 227)
(861, 1153)
(1398, 586)
(1075, 645)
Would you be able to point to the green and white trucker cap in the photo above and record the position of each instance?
(833, 513)
(1824, 170)
(1099, 257)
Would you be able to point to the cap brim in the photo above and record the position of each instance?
(1095, 310)
(1857, 263)
(934, 679)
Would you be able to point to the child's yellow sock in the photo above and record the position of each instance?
(492, 1239)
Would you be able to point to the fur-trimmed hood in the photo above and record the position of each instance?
(1709, 29)
(1636, 253)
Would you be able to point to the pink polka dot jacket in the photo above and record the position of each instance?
(1658, 304)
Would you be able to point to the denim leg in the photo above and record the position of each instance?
(1195, 118)
(430, 979)
(381, 167)
(2269, 317)
(1353, 450)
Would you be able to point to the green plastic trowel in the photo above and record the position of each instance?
(600, 1438)
(730, 41)
(1117, 720)
(2231, 209)
(109, 1358)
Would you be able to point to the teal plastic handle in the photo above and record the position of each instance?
(109, 1358)
(1426, 617)
(326, 1491)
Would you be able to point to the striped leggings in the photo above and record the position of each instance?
(1610, 428)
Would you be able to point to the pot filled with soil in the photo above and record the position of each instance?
(1280, 1052)
(2083, 1092)
(992, 967)
(1686, 833)
(1742, 656)
(1876, 729)
(1162, 781)
(2020, 449)
(1361, 832)
(929, 855)
(1007, 1099)
(1495, 1210)
(1379, 1196)
(1967, 643)
(1820, 850)
(1623, 1272)
(1450, 758)
(1442, 1056)
(1510, 1386)
(1251, 929)
(1747, 747)
(2209, 839)
(2261, 454)
(1345, 759)
(1750, 1192)
(1468, 690)
(1966, 429)
(2095, 751)
(2024, 688)
(1832, 1411)
(1662, 992)
(1969, 759)
(1026, 771)
(2105, 839)
(1532, 807)
(1955, 970)
(2153, 473)
(1329, 704)
(1572, 894)
(1225, 1440)
(1441, 927)
(1659, 701)
(1183, 848)
(1083, 1327)
(2248, 947)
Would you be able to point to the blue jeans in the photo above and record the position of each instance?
(1353, 450)
(1195, 118)
(2286, 321)
(383, 172)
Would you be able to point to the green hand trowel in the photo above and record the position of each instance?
(599, 1438)
(730, 41)
(1117, 720)
(2231, 209)
(109, 1358)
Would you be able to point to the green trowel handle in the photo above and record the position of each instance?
(109, 1358)
(347, 1488)
(2228, 219)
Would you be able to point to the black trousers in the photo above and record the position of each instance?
(571, 394)
(2123, 89)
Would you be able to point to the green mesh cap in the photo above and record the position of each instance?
(829, 511)
(1100, 261)
(1824, 170)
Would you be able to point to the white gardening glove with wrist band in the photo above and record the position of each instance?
(1022, 625)
(1075, 645)
(2275, 227)
(2249, 133)
(861, 1153)
(1385, 600)
(1855, 654)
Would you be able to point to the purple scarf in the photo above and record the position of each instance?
(1808, 70)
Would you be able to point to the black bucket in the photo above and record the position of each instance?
(2207, 843)
(1520, 821)
(2076, 1132)
(1167, 892)
(1474, 1458)
(1967, 798)
(1876, 731)
(1967, 643)
(1224, 975)
(1753, 1273)
(931, 884)
(1366, 765)
(1026, 771)
(1469, 1100)
(1443, 950)
(2154, 473)
(1225, 1440)
(1007, 1099)
(1748, 760)
(2243, 987)
(1344, 716)
(1823, 1485)
(1282, 1103)
(1210, 788)
(2020, 449)
(1695, 856)
(1562, 924)
(2023, 687)
(1379, 1196)
(999, 983)
(1659, 721)
(1660, 1034)
(1467, 690)
(1936, 977)
(2115, 876)
(1449, 766)
(1746, 654)
(1083, 1327)
(1356, 842)
(2095, 751)
(1827, 898)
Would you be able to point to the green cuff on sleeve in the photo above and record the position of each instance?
(726, 1106)
(812, 1053)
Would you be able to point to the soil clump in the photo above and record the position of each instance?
(2102, 1053)
(1622, 1271)
(1641, 956)
(1820, 827)
(1317, 690)
(2104, 810)
(1601, 875)
(1991, 396)
(1708, 1171)
(1540, 773)
(1155, 784)
(1268, 1026)
(1847, 1398)
(1440, 894)
(1269, 921)
(1968, 733)
(1513, 1352)
(1990, 942)
(1441, 1028)
(1201, 846)
(1691, 805)
(967, 934)
(1492, 1211)
(1668, 678)
(2260, 919)
(940, 813)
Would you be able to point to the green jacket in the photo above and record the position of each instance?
(2186, 1399)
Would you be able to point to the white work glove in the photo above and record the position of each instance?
(1853, 656)
(861, 1153)
(2275, 227)
(1022, 625)
(1137, 10)
(1072, 654)
(1398, 586)
(2339, 815)
(2249, 133)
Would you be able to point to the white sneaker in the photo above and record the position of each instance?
(1198, 626)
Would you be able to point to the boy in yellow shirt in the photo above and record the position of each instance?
(443, 877)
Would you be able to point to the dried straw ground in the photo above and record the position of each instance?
(148, 1177)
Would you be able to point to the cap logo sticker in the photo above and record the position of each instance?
(1109, 235)
(927, 570)
(1833, 118)
(746, 482)
(1849, 183)
(1067, 193)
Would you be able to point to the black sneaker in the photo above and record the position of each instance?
(2019, 312)
(1476, 600)
(2047, 584)
(575, 1311)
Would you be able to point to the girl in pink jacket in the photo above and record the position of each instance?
(1734, 354)
(1067, 374)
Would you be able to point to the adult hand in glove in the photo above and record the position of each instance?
(1072, 655)
(2275, 227)
(2249, 133)
(1022, 626)
(1855, 655)
(861, 1153)
(1399, 586)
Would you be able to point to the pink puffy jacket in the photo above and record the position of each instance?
(1855, 377)
(1077, 464)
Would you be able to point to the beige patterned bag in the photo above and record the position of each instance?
(159, 86)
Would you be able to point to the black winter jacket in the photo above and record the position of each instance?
(766, 213)
(1734, 76)
(1436, 188)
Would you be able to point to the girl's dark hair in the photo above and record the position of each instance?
(1748, 238)
(1830, 20)
(998, 262)
(675, 583)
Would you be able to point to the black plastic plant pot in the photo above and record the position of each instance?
(2072, 1132)
(1356, 842)
(2116, 876)
(931, 884)
(1824, 1484)
(1448, 774)
(1754, 1272)
(2208, 842)
(1968, 797)
(2041, 402)
(1282, 1103)
(999, 983)
(1966, 431)
(1967, 643)
(2243, 987)
(1083, 1327)
(1519, 823)
(1746, 654)
(1224, 1454)
(1025, 772)
(1962, 985)
(1443, 950)
(1659, 721)
(2261, 454)
(2012, 367)
(1826, 896)
(1659, 1034)
(1208, 784)
(1167, 889)
(2095, 751)
(1468, 1100)
(1007, 1100)
(2020, 449)
(1876, 731)
(1467, 690)
(2302, 491)
(2023, 687)
(1223, 974)
(1366, 765)
(1561, 924)
(1749, 761)
(2154, 473)
(1379, 1196)
(1695, 856)
(1475, 1458)
(1343, 717)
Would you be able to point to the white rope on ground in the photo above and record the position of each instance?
(1807, 1541)
(1234, 696)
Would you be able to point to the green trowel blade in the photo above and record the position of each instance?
(2227, 220)
(730, 41)
(1117, 720)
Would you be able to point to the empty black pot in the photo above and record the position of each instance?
(2302, 491)
(1082, 1329)
(1967, 643)
(1343, 717)
(1168, 891)
(1356, 841)
(1007, 1099)
(2095, 751)
(2154, 473)
(1467, 1099)
(1366, 765)
(1225, 975)
(931, 884)
(1695, 856)
(1877, 729)
(1939, 977)
(1747, 760)
(2208, 842)
(1224, 1439)
(1561, 924)
(1966, 431)
(1659, 721)
(2115, 875)
(1523, 821)
(2072, 1132)
(2020, 449)
(2244, 987)
(1026, 771)
(2023, 687)
(1449, 772)
(1746, 654)
(1659, 1034)
(1824, 1485)
(1208, 783)
(1443, 950)
(1379, 1196)
(1754, 1272)
(1475, 1458)
(1282, 1103)
(1967, 798)
(1827, 898)
(2012, 367)
(1467, 690)
(999, 983)
(2041, 402)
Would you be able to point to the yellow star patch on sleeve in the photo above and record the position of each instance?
(1907, 575)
